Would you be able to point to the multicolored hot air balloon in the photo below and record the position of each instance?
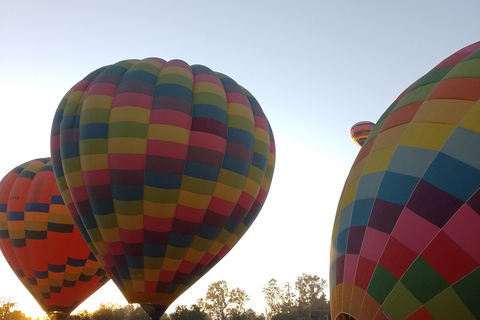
(164, 166)
(360, 131)
(41, 243)
(406, 237)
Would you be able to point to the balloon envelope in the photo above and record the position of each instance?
(41, 243)
(360, 130)
(406, 234)
(164, 167)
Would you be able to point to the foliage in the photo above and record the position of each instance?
(8, 312)
(237, 300)
(224, 303)
(111, 311)
(194, 313)
(273, 297)
(310, 288)
(305, 300)
(216, 299)
(284, 316)
(288, 299)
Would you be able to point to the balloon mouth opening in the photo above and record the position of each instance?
(155, 311)
(58, 315)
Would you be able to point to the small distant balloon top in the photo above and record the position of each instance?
(360, 131)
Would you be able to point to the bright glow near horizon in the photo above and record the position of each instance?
(315, 67)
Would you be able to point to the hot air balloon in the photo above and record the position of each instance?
(164, 166)
(41, 243)
(406, 234)
(360, 131)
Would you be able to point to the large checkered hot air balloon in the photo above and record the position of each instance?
(406, 237)
(41, 243)
(164, 166)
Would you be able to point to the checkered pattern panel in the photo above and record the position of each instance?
(164, 166)
(40, 241)
(407, 229)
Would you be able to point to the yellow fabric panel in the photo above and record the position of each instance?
(171, 264)
(226, 193)
(470, 121)
(127, 145)
(75, 179)
(389, 138)
(94, 162)
(239, 109)
(177, 71)
(264, 136)
(129, 222)
(446, 111)
(168, 133)
(355, 172)
(433, 135)
(110, 235)
(152, 274)
(159, 210)
(348, 195)
(128, 208)
(215, 247)
(97, 101)
(209, 87)
(193, 255)
(194, 200)
(251, 187)
(129, 114)
(378, 161)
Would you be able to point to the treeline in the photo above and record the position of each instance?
(305, 299)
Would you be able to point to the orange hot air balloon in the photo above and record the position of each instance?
(360, 131)
(41, 243)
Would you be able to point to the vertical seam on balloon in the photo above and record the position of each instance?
(205, 267)
(145, 170)
(167, 249)
(114, 213)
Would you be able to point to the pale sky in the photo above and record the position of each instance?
(316, 68)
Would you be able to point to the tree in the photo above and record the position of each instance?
(222, 303)
(7, 311)
(252, 315)
(236, 302)
(194, 313)
(81, 315)
(309, 288)
(273, 297)
(288, 299)
(6, 306)
(217, 299)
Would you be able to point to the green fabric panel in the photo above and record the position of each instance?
(95, 116)
(93, 146)
(466, 69)
(128, 130)
(448, 306)
(468, 289)
(199, 186)
(401, 303)
(175, 79)
(106, 221)
(211, 99)
(159, 195)
(433, 76)
(423, 281)
(474, 55)
(381, 284)
(416, 95)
